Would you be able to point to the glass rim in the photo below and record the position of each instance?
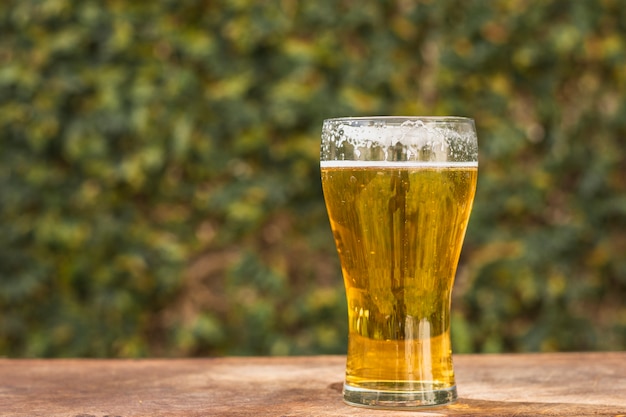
(400, 119)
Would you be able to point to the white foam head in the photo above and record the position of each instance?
(426, 139)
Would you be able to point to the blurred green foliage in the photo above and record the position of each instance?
(159, 180)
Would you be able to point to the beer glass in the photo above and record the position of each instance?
(399, 191)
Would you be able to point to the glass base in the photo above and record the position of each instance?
(398, 399)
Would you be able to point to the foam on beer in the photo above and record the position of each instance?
(351, 143)
(397, 164)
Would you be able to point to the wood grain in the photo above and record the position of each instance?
(560, 384)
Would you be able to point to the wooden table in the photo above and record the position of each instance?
(560, 384)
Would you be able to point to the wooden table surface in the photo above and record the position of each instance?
(559, 384)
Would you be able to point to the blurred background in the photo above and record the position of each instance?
(159, 169)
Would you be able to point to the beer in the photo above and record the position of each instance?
(399, 192)
(399, 228)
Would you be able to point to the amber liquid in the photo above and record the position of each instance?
(399, 229)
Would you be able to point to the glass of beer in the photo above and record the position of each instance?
(399, 191)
